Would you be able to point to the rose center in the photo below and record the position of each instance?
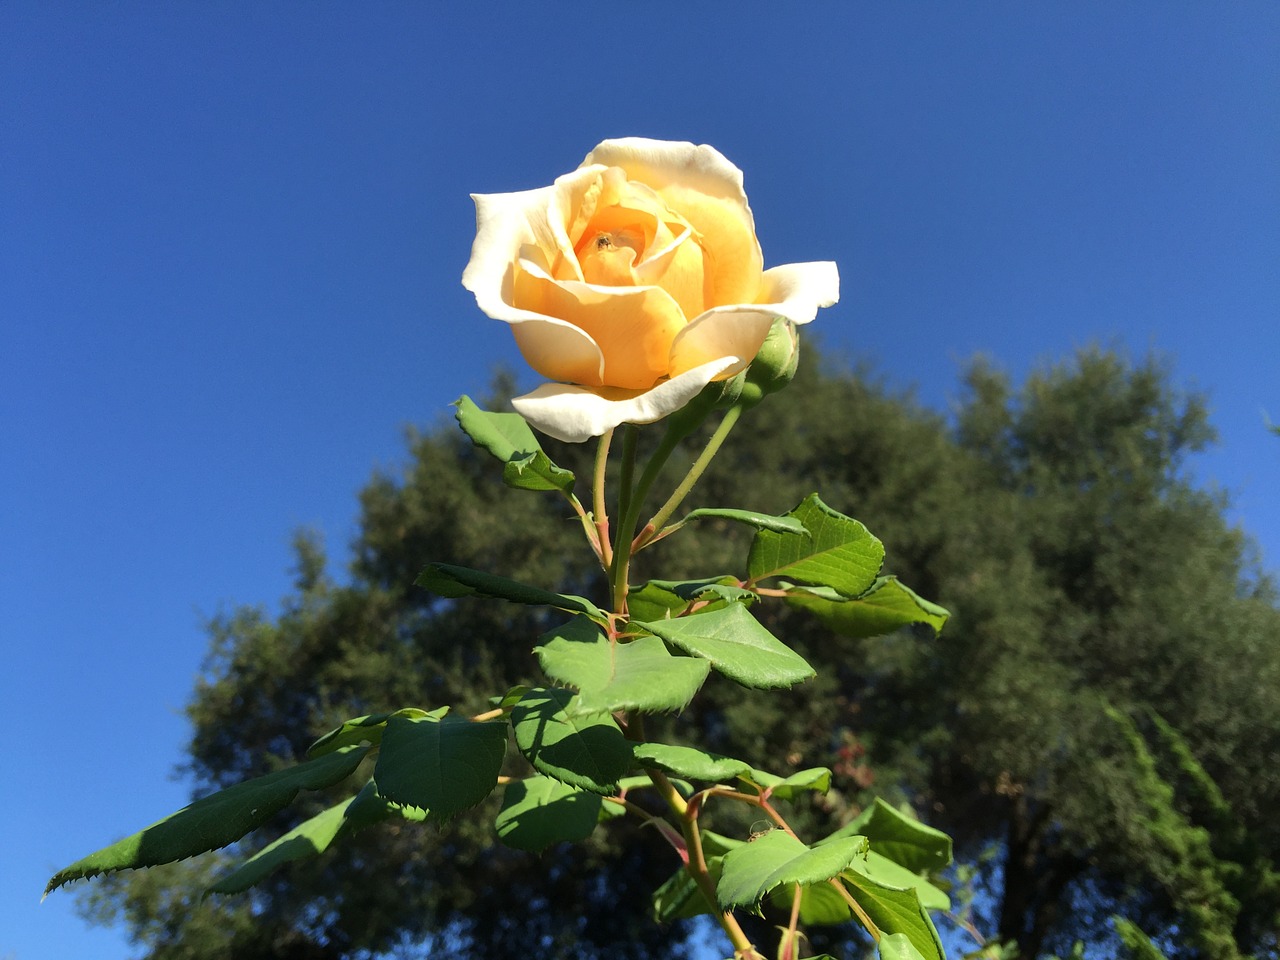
(608, 256)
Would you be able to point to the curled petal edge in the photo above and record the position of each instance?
(575, 414)
(794, 291)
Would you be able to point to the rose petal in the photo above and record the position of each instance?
(795, 292)
(512, 225)
(633, 327)
(574, 414)
(706, 189)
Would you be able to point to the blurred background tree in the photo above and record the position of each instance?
(1098, 728)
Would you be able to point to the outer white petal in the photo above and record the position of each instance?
(794, 291)
(508, 224)
(797, 290)
(574, 414)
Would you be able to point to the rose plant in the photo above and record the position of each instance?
(636, 285)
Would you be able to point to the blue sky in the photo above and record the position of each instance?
(231, 237)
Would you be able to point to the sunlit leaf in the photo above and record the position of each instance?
(903, 839)
(216, 820)
(887, 606)
(761, 521)
(508, 437)
(640, 674)
(836, 551)
(894, 910)
(688, 762)
(736, 645)
(817, 779)
(755, 868)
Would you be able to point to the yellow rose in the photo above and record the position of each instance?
(633, 282)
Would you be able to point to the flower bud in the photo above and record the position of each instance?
(775, 364)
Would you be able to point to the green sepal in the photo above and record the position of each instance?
(541, 811)
(902, 838)
(583, 750)
(216, 820)
(815, 779)
(735, 644)
(777, 858)
(835, 551)
(610, 675)
(887, 606)
(688, 762)
(449, 580)
(508, 437)
(365, 730)
(442, 766)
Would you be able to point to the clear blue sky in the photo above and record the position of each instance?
(231, 236)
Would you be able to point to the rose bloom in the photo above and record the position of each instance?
(633, 282)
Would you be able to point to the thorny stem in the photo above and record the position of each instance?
(788, 952)
(634, 503)
(856, 907)
(621, 558)
(696, 864)
(600, 512)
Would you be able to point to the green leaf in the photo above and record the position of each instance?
(448, 580)
(736, 644)
(365, 730)
(216, 820)
(507, 436)
(609, 675)
(679, 897)
(308, 839)
(817, 779)
(443, 766)
(540, 811)
(837, 551)
(902, 838)
(667, 599)
(883, 870)
(688, 762)
(820, 905)
(755, 868)
(761, 521)
(584, 750)
(886, 607)
(898, 946)
(894, 910)
(314, 836)
(369, 807)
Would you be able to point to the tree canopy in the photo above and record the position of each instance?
(1098, 727)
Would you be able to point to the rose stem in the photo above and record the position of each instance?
(695, 472)
(618, 565)
(598, 502)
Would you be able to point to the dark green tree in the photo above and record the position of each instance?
(1102, 713)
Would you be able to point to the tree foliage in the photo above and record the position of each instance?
(1103, 711)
